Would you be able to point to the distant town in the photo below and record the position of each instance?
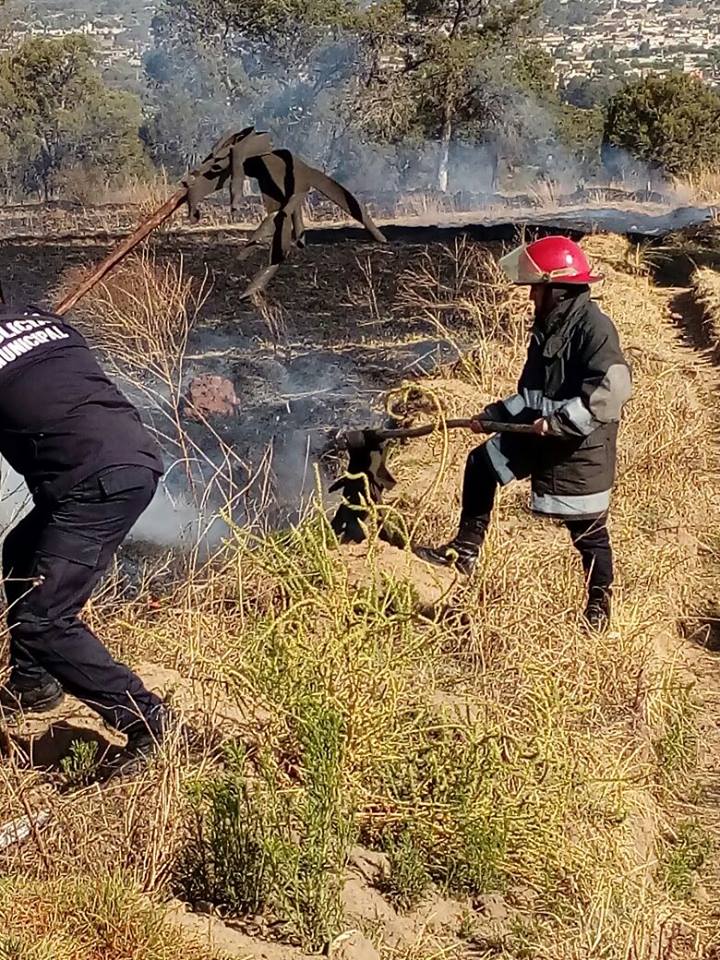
(588, 39)
(118, 37)
(630, 38)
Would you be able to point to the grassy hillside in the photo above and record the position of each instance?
(450, 768)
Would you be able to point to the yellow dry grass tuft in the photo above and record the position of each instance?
(83, 919)
(464, 288)
(703, 186)
(706, 289)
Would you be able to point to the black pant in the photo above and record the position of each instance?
(52, 561)
(590, 537)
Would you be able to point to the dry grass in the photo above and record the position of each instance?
(702, 187)
(492, 747)
(77, 919)
(142, 313)
(706, 289)
(464, 289)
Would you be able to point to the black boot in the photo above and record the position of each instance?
(144, 740)
(598, 611)
(459, 553)
(28, 696)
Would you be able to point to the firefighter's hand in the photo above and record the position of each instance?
(541, 427)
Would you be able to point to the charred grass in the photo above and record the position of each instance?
(490, 747)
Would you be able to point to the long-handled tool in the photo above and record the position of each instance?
(220, 166)
(284, 180)
(410, 433)
(125, 247)
(367, 476)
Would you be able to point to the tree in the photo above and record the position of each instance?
(58, 114)
(394, 71)
(280, 63)
(588, 94)
(671, 122)
(432, 67)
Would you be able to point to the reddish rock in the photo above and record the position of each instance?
(210, 396)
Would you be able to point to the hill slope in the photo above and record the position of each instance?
(447, 767)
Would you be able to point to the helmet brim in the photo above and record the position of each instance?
(519, 267)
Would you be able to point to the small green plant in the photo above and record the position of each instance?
(79, 764)
(224, 859)
(683, 856)
(270, 839)
(409, 879)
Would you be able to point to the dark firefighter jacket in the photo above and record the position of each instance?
(61, 418)
(577, 378)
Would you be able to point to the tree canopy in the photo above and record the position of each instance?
(395, 71)
(671, 122)
(56, 115)
(388, 95)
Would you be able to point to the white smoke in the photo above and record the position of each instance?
(169, 521)
(15, 500)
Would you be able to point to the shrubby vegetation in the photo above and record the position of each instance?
(402, 92)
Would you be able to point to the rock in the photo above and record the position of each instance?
(352, 946)
(370, 864)
(210, 396)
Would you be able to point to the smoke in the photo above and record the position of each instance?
(169, 521)
(15, 500)
(304, 105)
(177, 521)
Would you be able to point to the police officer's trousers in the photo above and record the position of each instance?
(52, 561)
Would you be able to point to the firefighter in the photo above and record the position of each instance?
(572, 390)
(92, 469)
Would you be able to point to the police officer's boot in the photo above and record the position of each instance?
(598, 611)
(29, 696)
(145, 739)
(462, 552)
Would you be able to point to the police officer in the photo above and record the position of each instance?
(92, 469)
(572, 390)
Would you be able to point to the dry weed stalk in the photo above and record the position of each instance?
(464, 289)
(142, 314)
(274, 316)
(702, 186)
(545, 193)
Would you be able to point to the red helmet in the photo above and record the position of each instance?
(550, 260)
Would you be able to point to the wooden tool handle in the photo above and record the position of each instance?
(491, 426)
(125, 247)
